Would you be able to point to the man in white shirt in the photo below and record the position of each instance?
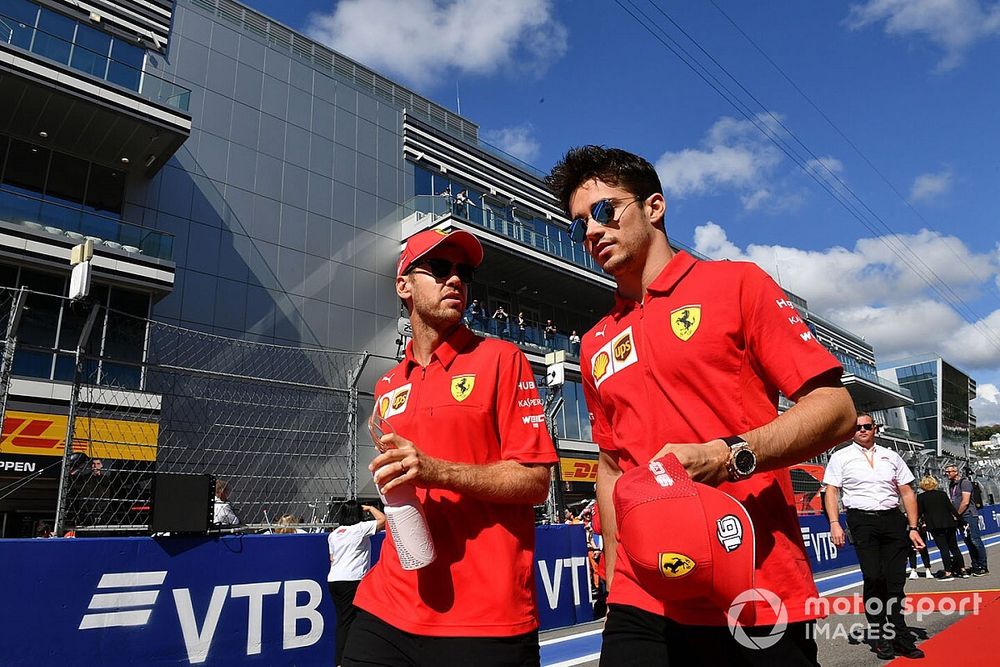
(223, 511)
(350, 559)
(873, 479)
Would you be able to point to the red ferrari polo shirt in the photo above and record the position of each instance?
(704, 356)
(475, 402)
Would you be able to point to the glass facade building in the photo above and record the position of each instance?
(941, 415)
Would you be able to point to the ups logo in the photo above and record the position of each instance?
(623, 348)
(399, 400)
(601, 365)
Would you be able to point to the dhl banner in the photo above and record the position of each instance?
(577, 470)
(42, 434)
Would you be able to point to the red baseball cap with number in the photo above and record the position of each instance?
(684, 540)
(423, 242)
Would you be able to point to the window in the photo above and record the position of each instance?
(54, 38)
(19, 20)
(126, 64)
(90, 54)
(26, 166)
(105, 190)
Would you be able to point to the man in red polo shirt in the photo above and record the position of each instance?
(690, 361)
(469, 433)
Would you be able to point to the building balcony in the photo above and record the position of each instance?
(77, 225)
(503, 221)
(86, 92)
(871, 392)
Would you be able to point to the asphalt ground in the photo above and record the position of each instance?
(840, 638)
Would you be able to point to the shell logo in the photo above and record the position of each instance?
(601, 365)
(383, 406)
(623, 348)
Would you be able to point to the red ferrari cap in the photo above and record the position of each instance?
(423, 242)
(684, 539)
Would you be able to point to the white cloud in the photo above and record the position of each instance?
(953, 25)
(733, 154)
(517, 140)
(929, 186)
(987, 404)
(422, 41)
(870, 291)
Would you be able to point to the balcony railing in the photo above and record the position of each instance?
(78, 225)
(532, 336)
(93, 63)
(542, 235)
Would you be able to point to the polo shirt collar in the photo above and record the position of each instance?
(446, 352)
(676, 268)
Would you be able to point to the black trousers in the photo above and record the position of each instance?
(947, 544)
(882, 545)
(637, 638)
(375, 643)
(342, 593)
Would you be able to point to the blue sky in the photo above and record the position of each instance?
(911, 87)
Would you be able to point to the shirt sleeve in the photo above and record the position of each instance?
(834, 475)
(369, 528)
(524, 435)
(783, 348)
(903, 473)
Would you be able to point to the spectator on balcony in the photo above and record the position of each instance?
(550, 334)
(476, 315)
(574, 343)
(462, 203)
(522, 325)
(501, 317)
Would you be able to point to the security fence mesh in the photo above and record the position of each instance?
(275, 423)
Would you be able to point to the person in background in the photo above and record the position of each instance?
(574, 343)
(223, 514)
(350, 559)
(501, 317)
(960, 492)
(549, 332)
(288, 525)
(873, 480)
(925, 557)
(522, 325)
(941, 519)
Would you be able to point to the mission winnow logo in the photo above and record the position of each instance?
(127, 599)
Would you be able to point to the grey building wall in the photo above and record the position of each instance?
(281, 200)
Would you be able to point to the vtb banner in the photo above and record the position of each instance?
(247, 600)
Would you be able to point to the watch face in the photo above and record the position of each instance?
(744, 461)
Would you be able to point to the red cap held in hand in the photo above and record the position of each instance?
(684, 540)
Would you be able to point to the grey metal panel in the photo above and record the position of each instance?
(221, 75)
(295, 186)
(274, 97)
(292, 234)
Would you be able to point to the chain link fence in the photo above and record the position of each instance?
(276, 423)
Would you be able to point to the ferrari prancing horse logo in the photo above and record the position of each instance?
(461, 386)
(685, 320)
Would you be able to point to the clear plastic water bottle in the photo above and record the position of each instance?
(403, 512)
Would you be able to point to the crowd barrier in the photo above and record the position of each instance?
(823, 555)
(251, 599)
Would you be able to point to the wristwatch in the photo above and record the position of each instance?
(742, 461)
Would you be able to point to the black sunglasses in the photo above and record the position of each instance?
(443, 268)
(603, 213)
(864, 427)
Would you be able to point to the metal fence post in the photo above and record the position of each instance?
(10, 344)
(352, 424)
(71, 419)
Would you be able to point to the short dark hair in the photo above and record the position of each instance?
(614, 166)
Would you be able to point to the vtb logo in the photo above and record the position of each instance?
(131, 598)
